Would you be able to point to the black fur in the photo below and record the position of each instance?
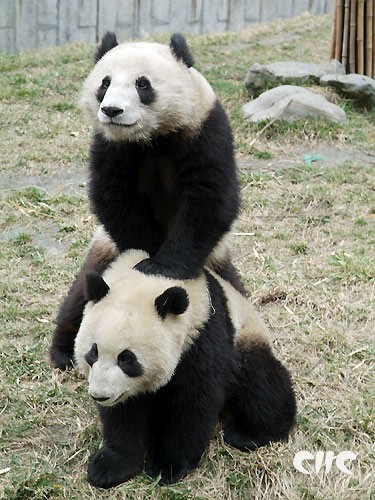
(263, 393)
(95, 287)
(180, 49)
(172, 427)
(109, 41)
(173, 301)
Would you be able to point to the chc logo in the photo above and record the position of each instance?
(323, 460)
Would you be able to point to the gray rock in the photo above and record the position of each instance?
(262, 77)
(358, 87)
(290, 102)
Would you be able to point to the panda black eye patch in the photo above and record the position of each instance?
(129, 363)
(92, 355)
(100, 93)
(145, 91)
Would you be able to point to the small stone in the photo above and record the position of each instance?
(358, 87)
(262, 77)
(290, 102)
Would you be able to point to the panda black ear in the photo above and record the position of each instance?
(174, 300)
(109, 41)
(95, 288)
(180, 49)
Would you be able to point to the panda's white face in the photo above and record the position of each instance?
(138, 91)
(131, 339)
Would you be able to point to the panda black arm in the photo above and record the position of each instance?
(207, 203)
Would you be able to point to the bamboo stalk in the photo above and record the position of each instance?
(360, 36)
(352, 35)
(339, 26)
(369, 36)
(333, 39)
(345, 37)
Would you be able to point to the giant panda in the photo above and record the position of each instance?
(164, 357)
(162, 170)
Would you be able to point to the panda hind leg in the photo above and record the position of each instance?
(262, 405)
(101, 253)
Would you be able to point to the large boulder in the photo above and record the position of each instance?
(290, 102)
(262, 77)
(358, 87)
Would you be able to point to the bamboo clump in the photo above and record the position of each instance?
(353, 36)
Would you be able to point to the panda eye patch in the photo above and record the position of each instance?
(92, 355)
(100, 93)
(106, 82)
(145, 91)
(129, 363)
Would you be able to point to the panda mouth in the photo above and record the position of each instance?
(114, 402)
(125, 125)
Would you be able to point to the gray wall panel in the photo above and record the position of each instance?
(27, 24)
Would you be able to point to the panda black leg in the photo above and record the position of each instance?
(179, 444)
(68, 322)
(125, 435)
(263, 404)
(185, 420)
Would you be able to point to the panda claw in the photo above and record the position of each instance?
(168, 474)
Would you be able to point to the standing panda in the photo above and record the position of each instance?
(162, 171)
(163, 358)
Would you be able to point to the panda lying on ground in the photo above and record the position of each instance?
(163, 358)
(162, 171)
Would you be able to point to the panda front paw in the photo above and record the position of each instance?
(108, 468)
(156, 267)
(61, 358)
(168, 473)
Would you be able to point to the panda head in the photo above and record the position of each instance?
(134, 331)
(140, 90)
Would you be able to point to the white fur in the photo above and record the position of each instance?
(183, 96)
(248, 325)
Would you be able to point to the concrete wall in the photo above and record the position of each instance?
(27, 24)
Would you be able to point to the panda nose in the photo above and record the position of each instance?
(100, 400)
(111, 111)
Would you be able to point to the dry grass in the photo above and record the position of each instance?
(307, 259)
